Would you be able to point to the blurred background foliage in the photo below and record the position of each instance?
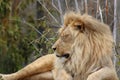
(24, 35)
(28, 27)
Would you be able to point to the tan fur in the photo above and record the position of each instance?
(90, 48)
(40, 69)
(89, 44)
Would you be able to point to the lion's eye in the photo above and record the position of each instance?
(79, 26)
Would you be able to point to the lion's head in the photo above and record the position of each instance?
(83, 40)
(70, 30)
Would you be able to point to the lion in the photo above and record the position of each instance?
(83, 51)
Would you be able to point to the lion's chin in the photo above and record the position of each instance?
(61, 60)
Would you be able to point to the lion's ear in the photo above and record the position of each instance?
(79, 26)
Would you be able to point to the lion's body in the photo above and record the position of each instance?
(83, 50)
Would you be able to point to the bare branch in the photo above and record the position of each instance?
(115, 28)
(97, 6)
(35, 47)
(97, 11)
(115, 20)
(86, 7)
(101, 15)
(82, 5)
(77, 7)
(61, 13)
(55, 6)
(66, 4)
(111, 23)
(30, 25)
(48, 12)
(106, 10)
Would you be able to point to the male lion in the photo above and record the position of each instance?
(83, 51)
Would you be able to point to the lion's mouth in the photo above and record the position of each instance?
(67, 55)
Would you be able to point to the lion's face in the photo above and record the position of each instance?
(64, 43)
(83, 36)
(63, 47)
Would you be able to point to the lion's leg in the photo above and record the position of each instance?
(105, 73)
(41, 76)
(41, 65)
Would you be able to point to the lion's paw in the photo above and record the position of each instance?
(5, 77)
(1, 77)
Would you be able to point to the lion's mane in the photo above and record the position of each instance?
(92, 50)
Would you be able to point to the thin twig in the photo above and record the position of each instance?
(106, 10)
(48, 12)
(42, 18)
(97, 6)
(115, 20)
(111, 23)
(115, 28)
(82, 6)
(35, 47)
(86, 7)
(91, 5)
(110, 7)
(61, 13)
(24, 22)
(66, 4)
(76, 6)
(55, 6)
(36, 40)
(97, 11)
(101, 15)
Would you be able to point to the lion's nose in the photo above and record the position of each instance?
(54, 48)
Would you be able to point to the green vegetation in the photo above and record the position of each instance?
(21, 41)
